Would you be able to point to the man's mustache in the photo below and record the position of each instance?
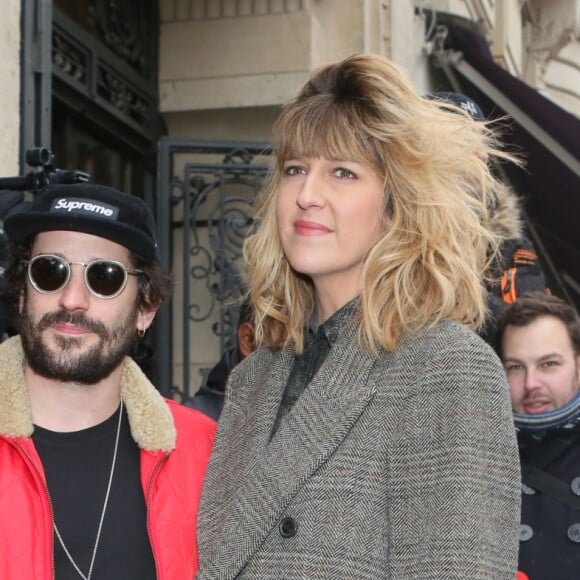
(76, 318)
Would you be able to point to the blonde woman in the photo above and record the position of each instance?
(370, 435)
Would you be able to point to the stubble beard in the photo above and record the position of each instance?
(67, 361)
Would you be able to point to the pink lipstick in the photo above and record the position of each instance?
(310, 228)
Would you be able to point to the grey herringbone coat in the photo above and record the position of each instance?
(401, 466)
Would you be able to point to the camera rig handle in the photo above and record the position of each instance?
(42, 158)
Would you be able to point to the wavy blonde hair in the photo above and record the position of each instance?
(429, 265)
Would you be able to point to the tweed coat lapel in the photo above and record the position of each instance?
(307, 436)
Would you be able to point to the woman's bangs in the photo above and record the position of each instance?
(323, 131)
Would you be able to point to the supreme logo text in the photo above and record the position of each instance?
(83, 206)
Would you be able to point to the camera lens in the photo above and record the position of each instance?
(38, 156)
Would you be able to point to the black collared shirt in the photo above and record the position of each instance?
(317, 344)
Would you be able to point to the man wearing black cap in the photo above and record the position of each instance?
(99, 475)
(515, 269)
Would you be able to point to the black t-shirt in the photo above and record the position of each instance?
(77, 467)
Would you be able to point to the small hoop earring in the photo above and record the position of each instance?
(141, 332)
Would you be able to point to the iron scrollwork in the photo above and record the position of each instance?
(211, 209)
(219, 222)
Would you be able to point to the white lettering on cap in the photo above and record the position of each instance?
(83, 206)
(470, 108)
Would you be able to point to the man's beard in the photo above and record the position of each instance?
(67, 363)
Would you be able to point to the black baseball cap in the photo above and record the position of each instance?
(462, 101)
(89, 208)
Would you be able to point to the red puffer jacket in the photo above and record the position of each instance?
(175, 444)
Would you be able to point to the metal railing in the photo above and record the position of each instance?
(206, 191)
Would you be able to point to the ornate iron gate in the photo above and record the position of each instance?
(205, 194)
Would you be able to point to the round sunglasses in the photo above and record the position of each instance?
(104, 278)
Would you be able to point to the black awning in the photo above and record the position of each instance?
(548, 138)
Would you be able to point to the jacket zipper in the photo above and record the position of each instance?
(156, 470)
(39, 475)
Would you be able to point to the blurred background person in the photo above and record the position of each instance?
(516, 269)
(209, 399)
(8, 201)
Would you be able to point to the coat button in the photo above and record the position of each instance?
(288, 527)
(527, 490)
(526, 533)
(574, 533)
(575, 486)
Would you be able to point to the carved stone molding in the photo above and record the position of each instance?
(547, 38)
(125, 26)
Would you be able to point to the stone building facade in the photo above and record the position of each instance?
(227, 65)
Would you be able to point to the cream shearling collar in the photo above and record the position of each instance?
(149, 416)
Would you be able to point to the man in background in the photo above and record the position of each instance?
(538, 341)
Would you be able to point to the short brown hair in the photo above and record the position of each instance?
(534, 305)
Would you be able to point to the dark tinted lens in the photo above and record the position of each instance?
(105, 278)
(48, 273)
